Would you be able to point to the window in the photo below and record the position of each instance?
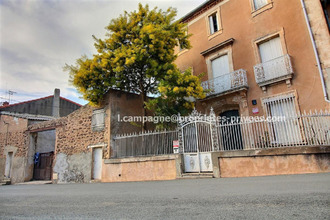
(213, 22)
(273, 61)
(285, 130)
(98, 119)
(259, 4)
(220, 70)
(220, 66)
(270, 49)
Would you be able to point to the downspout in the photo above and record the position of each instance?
(315, 51)
(6, 141)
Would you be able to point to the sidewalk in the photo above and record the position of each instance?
(35, 182)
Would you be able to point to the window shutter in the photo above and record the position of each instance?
(220, 66)
(270, 49)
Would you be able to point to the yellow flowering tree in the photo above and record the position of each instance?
(135, 57)
(178, 92)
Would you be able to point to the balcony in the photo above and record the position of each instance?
(278, 69)
(229, 82)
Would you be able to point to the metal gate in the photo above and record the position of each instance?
(198, 140)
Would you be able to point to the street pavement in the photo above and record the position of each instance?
(273, 197)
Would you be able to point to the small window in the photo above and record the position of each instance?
(259, 4)
(213, 21)
(98, 120)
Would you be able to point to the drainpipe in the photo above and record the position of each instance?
(6, 141)
(315, 51)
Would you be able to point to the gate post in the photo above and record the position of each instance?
(214, 132)
(180, 134)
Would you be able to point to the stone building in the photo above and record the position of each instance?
(18, 147)
(79, 141)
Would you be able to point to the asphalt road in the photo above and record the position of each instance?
(274, 197)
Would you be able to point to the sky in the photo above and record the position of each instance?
(38, 37)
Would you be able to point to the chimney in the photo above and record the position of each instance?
(56, 103)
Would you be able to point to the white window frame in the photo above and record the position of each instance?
(213, 23)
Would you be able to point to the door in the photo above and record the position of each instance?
(197, 147)
(8, 164)
(231, 136)
(43, 166)
(220, 70)
(97, 163)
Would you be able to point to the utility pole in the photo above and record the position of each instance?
(10, 93)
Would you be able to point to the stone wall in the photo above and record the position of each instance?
(16, 141)
(73, 158)
(76, 134)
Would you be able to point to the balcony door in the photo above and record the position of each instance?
(270, 54)
(270, 50)
(220, 70)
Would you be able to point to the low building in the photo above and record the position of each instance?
(53, 105)
(23, 155)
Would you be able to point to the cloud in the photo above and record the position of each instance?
(39, 37)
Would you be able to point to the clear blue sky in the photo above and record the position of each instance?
(38, 37)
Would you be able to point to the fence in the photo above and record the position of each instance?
(311, 129)
(144, 144)
(293, 131)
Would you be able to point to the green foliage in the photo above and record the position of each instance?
(177, 94)
(136, 55)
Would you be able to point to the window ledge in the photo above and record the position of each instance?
(211, 36)
(262, 9)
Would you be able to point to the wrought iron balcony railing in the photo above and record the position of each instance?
(226, 83)
(274, 70)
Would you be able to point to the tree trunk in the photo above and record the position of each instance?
(144, 111)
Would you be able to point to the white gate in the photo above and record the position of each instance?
(197, 134)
